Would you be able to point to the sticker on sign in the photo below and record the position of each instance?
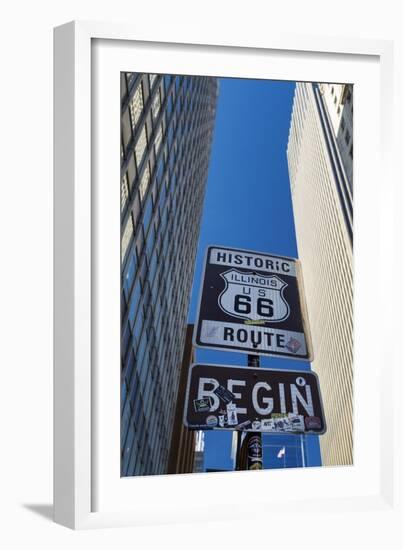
(252, 302)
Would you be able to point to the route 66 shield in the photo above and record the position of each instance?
(253, 296)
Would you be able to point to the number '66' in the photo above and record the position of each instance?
(264, 306)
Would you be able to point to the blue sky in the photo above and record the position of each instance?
(248, 205)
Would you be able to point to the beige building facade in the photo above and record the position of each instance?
(338, 99)
(321, 186)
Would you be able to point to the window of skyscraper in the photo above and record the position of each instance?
(127, 235)
(136, 106)
(145, 180)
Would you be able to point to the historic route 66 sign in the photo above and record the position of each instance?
(253, 303)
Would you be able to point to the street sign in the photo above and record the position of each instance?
(264, 400)
(252, 303)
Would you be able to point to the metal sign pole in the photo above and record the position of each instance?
(238, 450)
(255, 450)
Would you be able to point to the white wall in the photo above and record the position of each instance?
(26, 273)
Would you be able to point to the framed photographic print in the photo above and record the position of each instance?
(219, 216)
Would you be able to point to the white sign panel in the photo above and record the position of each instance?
(253, 303)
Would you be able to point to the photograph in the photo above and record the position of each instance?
(236, 274)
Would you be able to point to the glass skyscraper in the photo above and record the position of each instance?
(166, 134)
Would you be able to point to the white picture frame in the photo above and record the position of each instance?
(88, 490)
